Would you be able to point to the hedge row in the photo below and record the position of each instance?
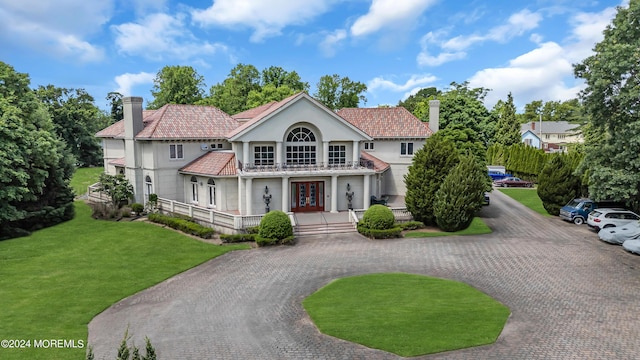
(183, 225)
(394, 232)
(226, 238)
(410, 225)
(262, 241)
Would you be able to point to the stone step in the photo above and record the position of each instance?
(333, 228)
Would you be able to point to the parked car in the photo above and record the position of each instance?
(605, 218)
(487, 199)
(620, 234)
(513, 182)
(632, 246)
(577, 210)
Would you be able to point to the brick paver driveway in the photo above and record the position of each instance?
(571, 296)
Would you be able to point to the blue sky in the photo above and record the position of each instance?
(395, 47)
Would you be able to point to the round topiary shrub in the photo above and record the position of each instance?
(275, 227)
(378, 217)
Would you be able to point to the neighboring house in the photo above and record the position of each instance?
(296, 152)
(551, 136)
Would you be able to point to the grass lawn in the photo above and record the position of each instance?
(477, 227)
(83, 177)
(55, 281)
(528, 198)
(406, 314)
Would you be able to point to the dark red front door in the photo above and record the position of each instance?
(307, 196)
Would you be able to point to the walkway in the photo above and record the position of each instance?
(571, 296)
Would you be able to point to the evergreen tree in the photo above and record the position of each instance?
(557, 184)
(430, 166)
(461, 195)
(508, 127)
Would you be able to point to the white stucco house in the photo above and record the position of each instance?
(296, 153)
(550, 136)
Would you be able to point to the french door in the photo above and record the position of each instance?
(307, 196)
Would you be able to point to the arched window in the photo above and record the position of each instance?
(301, 146)
(148, 187)
(211, 187)
(194, 189)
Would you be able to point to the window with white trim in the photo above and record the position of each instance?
(148, 187)
(368, 146)
(406, 148)
(211, 192)
(263, 155)
(194, 189)
(175, 152)
(301, 147)
(337, 154)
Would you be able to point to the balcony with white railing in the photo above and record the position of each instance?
(361, 166)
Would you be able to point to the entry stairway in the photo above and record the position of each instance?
(318, 223)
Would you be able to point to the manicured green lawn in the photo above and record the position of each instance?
(406, 314)
(528, 198)
(477, 227)
(84, 177)
(55, 281)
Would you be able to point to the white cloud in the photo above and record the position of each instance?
(546, 72)
(127, 81)
(454, 48)
(267, 18)
(332, 41)
(158, 35)
(58, 27)
(389, 13)
(411, 86)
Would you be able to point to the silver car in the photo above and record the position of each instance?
(620, 234)
(632, 246)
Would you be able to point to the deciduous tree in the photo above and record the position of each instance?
(338, 92)
(176, 85)
(611, 102)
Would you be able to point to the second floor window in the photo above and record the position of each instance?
(337, 154)
(175, 151)
(406, 148)
(263, 155)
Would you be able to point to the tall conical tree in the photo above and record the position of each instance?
(430, 166)
(557, 184)
(508, 127)
(461, 195)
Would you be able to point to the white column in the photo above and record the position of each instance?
(248, 198)
(245, 153)
(279, 158)
(285, 194)
(366, 197)
(240, 202)
(325, 153)
(356, 154)
(334, 193)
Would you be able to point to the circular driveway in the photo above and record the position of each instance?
(571, 296)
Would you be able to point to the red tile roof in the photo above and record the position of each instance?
(174, 121)
(378, 165)
(213, 163)
(118, 162)
(394, 122)
(251, 113)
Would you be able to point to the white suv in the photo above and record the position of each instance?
(604, 218)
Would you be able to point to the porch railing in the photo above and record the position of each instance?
(347, 165)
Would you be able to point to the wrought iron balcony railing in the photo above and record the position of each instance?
(347, 165)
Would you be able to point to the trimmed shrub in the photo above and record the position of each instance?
(410, 225)
(378, 217)
(226, 238)
(393, 232)
(275, 228)
(137, 208)
(183, 225)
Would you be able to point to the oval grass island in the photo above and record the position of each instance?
(406, 314)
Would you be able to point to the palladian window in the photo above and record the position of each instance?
(301, 147)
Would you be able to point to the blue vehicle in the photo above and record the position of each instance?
(577, 210)
(497, 172)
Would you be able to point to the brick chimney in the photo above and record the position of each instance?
(434, 115)
(533, 125)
